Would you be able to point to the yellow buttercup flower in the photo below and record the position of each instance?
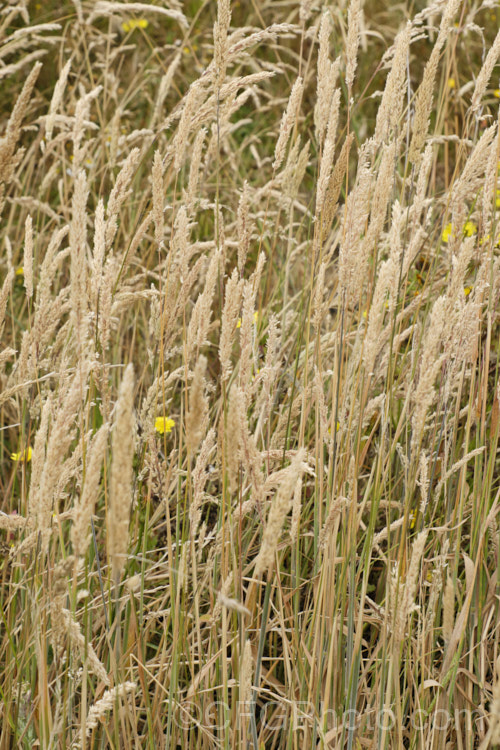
(451, 83)
(467, 290)
(496, 93)
(255, 318)
(20, 271)
(164, 424)
(446, 233)
(23, 456)
(469, 229)
(134, 23)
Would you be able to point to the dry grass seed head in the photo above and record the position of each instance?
(121, 475)
(56, 100)
(197, 412)
(233, 294)
(28, 257)
(391, 105)
(424, 96)
(485, 74)
(287, 121)
(85, 506)
(9, 160)
(354, 17)
(279, 509)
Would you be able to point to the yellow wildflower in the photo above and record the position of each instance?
(134, 23)
(467, 290)
(255, 318)
(23, 456)
(446, 233)
(496, 93)
(20, 271)
(164, 424)
(451, 83)
(469, 229)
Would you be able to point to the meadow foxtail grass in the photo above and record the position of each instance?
(249, 374)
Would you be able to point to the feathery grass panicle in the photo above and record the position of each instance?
(287, 121)
(325, 167)
(431, 361)
(471, 179)
(312, 326)
(231, 439)
(326, 78)
(56, 100)
(197, 412)
(334, 186)
(489, 195)
(221, 28)
(135, 242)
(354, 16)
(424, 96)
(78, 271)
(484, 76)
(9, 157)
(248, 452)
(97, 712)
(60, 438)
(28, 257)
(292, 175)
(381, 197)
(63, 625)
(38, 460)
(192, 103)
(392, 102)
(164, 87)
(4, 295)
(85, 506)
(407, 590)
(280, 507)
(352, 255)
(120, 192)
(245, 227)
(249, 323)
(246, 677)
(158, 199)
(318, 304)
(194, 169)
(202, 312)
(98, 254)
(81, 122)
(200, 477)
(121, 474)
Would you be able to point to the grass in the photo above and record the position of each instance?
(249, 375)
